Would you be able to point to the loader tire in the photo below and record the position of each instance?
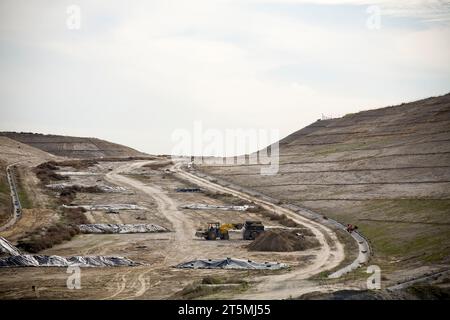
(212, 235)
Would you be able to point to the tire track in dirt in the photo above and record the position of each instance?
(285, 285)
(282, 286)
(181, 238)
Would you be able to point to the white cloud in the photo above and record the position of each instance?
(154, 67)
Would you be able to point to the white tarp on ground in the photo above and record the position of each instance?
(201, 206)
(104, 188)
(106, 207)
(121, 228)
(77, 173)
(16, 259)
(27, 260)
(7, 248)
(230, 263)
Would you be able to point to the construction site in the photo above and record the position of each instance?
(371, 188)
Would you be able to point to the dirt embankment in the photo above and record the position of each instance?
(283, 241)
(74, 147)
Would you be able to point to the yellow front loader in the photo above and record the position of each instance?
(216, 230)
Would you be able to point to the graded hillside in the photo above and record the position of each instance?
(73, 147)
(385, 170)
(12, 151)
(22, 157)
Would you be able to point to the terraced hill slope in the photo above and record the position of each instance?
(74, 147)
(386, 170)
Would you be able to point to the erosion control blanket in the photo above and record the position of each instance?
(214, 207)
(230, 263)
(121, 228)
(106, 207)
(104, 188)
(15, 258)
(7, 248)
(57, 261)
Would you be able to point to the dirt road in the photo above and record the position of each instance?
(330, 254)
(181, 238)
(278, 286)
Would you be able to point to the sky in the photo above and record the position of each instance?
(136, 72)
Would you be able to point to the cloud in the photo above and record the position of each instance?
(427, 10)
(136, 73)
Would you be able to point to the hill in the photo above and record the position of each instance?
(73, 147)
(386, 170)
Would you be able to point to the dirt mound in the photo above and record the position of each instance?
(46, 172)
(282, 241)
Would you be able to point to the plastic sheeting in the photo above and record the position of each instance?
(58, 261)
(106, 207)
(104, 188)
(7, 248)
(121, 228)
(201, 206)
(16, 259)
(230, 263)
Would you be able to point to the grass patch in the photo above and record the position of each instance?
(398, 241)
(25, 200)
(4, 186)
(5, 198)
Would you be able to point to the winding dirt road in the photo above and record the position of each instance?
(329, 256)
(280, 286)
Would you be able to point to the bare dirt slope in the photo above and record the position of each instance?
(74, 147)
(12, 151)
(23, 157)
(386, 170)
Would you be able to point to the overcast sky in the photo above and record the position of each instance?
(136, 71)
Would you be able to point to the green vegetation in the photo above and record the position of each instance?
(4, 187)
(401, 231)
(5, 198)
(340, 148)
(24, 198)
(416, 208)
(405, 242)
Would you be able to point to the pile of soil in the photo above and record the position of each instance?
(282, 241)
